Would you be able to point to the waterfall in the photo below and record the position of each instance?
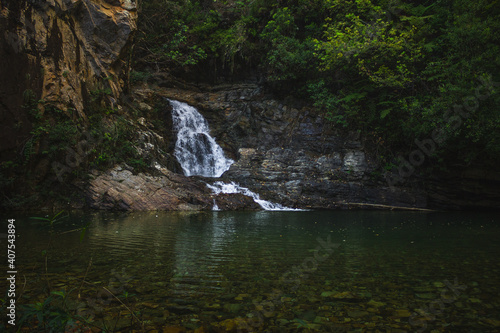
(199, 154)
(215, 207)
(196, 151)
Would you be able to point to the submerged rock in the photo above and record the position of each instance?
(402, 313)
(357, 314)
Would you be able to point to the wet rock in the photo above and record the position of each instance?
(121, 189)
(423, 289)
(289, 154)
(228, 296)
(309, 315)
(233, 325)
(180, 309)
(299, 178)
(328, 293)
(357, 313)
(347, 296)
(149, 305)
(241, 297)
(173, 329)
(235, 201)
(232, 308)
(375, 303)
(61, 54)
(355, 161)
(282, 322)
(402, 313)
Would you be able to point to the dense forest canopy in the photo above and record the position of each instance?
(401, 72)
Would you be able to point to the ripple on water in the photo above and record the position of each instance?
(214, 268)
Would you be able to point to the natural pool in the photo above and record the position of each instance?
(328, 271)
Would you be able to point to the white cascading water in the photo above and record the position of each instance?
(196, 151)
(199, 154)
(232, 188)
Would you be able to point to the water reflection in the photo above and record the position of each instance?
(216, 266)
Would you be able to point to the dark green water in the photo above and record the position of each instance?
(269, 271)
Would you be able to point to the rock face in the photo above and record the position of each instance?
(60, 51)
(121, 189)
(300, 179)
(291, 155)
(288, 153)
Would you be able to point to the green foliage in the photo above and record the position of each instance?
(51, 315)
(136, 77)
(29, 98)
(98, 94)
(361, 37)
(125, 295)
(137, 163)
(288, 58)
(6, 180)
(232, 42)
(176, 50)
(52, 129)
(398, 70)
(171, 42)
(115, 144)
(51, 221)
(327, 101)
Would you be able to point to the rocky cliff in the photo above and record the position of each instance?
(288, 153)
(56, 53)
(63, 76)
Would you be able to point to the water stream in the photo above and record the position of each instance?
(232, 188)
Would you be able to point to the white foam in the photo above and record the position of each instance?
(233, 188)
